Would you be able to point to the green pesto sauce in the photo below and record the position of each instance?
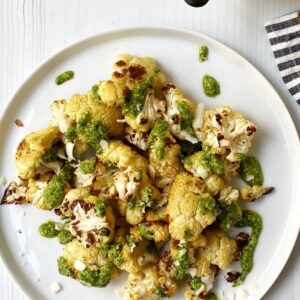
(212, 162)
(96, 278)
(250, 171)
(196, 283)
(130, 240)
(207, 205)
(93, 93)
(65, 236)
(211, 296)
(63, 77)
(104, 249)
(145, 232)
(160, 292)
(186, 117)
(203, 53)
(211, 86)
(104, 232)
(63, 267)
(229, 215)
(92, 131)
(187, 233)
(250, 219)
(135, 99)
(101, 206)
(54, 192)
(115, 254)
(71, 134)
(179, 272)
(157, 137)
(88, 166)
(48, 230)
(51, 154)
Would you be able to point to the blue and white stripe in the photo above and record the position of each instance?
(284, 36)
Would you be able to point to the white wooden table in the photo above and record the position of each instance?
(31, 30)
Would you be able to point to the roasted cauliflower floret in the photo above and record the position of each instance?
(15, 193)
(86, 265)
(170, 164)
(59, 117)
(92, 217)
(32, 148)
(219, 248)
(252, 193)
(149, 284)
(35, 192)
(180, 114)
(196, 165)
(136, 138)
(227, 132)
(154, 230)
(214, 184)
(79, 105)
(190, 208)
(122, 156)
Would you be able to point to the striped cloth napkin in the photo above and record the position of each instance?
(284, 36)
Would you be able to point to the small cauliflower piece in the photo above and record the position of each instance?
(35, 192)
(149, 284)
(252, 193)
(32, 148)
(180, 114)
(196, 165)
(227, 132)
(155, 230)
(219, 248)
(59, 117)
(190, 208)
(170, 164)
(122, 156)
(15, 193)
(136, 138)
(79, 105)
(214, 184)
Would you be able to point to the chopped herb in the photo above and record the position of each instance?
(250, 219)
(250, 171)
(157, 137)
(135, 99)
(203, 53)
(180, 266)
(63, 77)
(88, 166)
(211, 86)
(130, 240)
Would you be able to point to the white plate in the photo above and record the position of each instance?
(243, 87)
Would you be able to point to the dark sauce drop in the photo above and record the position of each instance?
(196, 3)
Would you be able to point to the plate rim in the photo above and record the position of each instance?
(291, 237)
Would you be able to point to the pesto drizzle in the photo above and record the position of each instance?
(250, 170)
(252, 219)
(63, 77)
(211, 86)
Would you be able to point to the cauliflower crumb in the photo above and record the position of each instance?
(55, 287)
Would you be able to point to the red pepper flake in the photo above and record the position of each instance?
(19, 123)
